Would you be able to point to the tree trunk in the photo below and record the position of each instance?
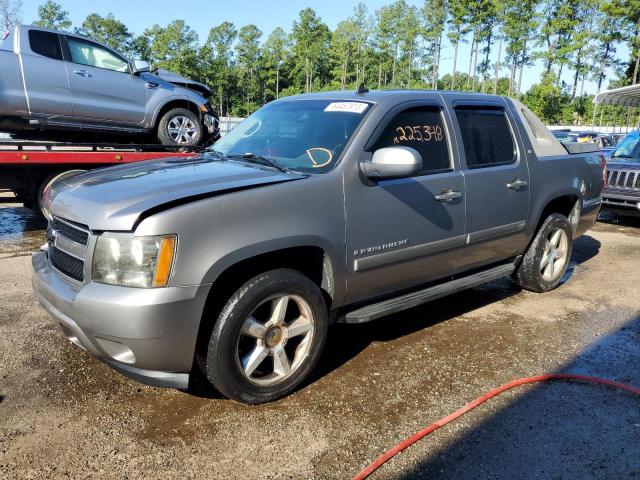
(455, 61)
(473, 46)
(605, 57)
(497, 66)
(410, 61)
(277, 82)
(575, 77)
(635, 69)
(512, 76)
(436, 65)
(380, 75)
(473, 70)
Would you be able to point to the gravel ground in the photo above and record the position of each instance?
(65, 414)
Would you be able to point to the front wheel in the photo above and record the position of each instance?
(547, 258)
(268, 338)
(180, 126)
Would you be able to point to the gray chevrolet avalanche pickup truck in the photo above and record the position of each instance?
(318, 208)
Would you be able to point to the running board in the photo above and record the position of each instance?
(410, 300)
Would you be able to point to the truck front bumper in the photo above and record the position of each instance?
(622, 204)
(146, 334)
(211, 123)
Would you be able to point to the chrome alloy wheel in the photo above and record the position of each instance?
(182, 129)
(275, 339)
(554, 255)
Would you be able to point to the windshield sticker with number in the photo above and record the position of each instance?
(348, 107)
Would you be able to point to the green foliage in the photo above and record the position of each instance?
(107, 30)
(51, 15)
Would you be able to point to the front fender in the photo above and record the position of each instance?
(274, 245)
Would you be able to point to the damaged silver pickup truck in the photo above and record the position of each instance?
(52, 80)
(318, 208)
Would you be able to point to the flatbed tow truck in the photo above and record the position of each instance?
(27, 168)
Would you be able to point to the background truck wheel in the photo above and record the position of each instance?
(46, 185)
(180, 126)
(547, 258)
(268, 337)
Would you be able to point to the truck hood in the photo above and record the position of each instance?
(177, 79)
(117, 198)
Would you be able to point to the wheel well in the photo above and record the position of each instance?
(189, 105)
(308, 260)
(562, 205)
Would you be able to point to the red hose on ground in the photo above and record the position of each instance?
(470, 406)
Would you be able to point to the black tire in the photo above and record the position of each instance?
(222, 364)
(164, 124)
(529, 274)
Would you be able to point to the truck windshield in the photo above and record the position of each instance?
(628, 150)
(301, 135)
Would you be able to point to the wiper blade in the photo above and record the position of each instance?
(259, 159)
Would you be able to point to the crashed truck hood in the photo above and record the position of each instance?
(115, 198)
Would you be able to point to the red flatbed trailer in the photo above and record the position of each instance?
(26, 168)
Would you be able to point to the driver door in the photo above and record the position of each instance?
(404, 232)
(103, 89)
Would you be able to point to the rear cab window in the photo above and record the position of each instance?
(486, 136)
(421, 128)
(6, 41)
(46, 44)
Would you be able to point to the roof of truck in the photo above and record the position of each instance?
(377, 96)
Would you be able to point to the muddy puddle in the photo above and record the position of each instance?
(21, 231)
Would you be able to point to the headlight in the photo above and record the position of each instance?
(129, 261)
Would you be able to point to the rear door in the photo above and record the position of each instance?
(404, 232)
(102, 85)
(45, 74)
(497, 182)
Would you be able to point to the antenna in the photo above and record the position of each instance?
(362, 89)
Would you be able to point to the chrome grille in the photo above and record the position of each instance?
(623, 179)
(75, 234)
(69, 265)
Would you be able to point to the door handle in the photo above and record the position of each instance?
(448, 195)
(82, 73)
(517, 184)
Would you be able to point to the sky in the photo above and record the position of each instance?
(201, 15)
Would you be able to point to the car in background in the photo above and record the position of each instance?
(562, 134)
(54, 80)
(622, 182)
(618, 137)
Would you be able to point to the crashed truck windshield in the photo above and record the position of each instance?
(302, 135)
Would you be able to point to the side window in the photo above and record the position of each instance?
(46, 44)
(88, 53)
(486, 137)
(423, 129)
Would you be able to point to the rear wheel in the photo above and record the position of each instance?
(268, 337)
(547, 258)
(180, 126)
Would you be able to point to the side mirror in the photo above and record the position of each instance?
(140, 66)
(393, 162)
